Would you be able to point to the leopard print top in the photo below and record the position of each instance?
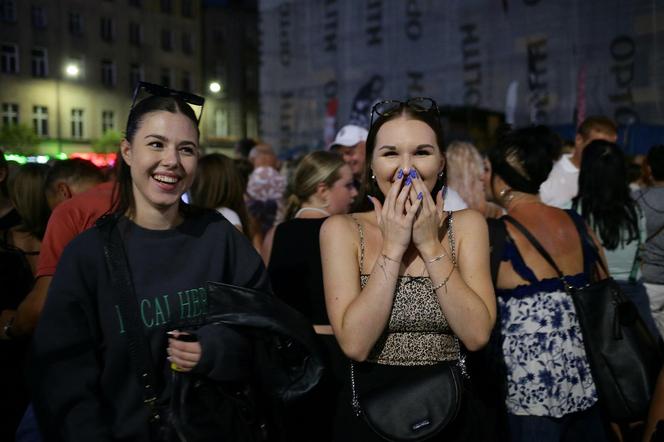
(417, 332)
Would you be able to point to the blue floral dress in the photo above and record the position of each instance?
(547, 369)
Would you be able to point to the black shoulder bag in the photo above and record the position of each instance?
(624, 357)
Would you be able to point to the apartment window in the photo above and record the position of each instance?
(187, 8)
(135, 34)
(9, 113)
(221, 122)
(166, 6)
(108, 75)
(75, 23)
(38, 17)
(187, 43)
(186, 81)
(40, 120)
(9, 59)
(136, 3)
(77, 123)
(8, 10)
(39, 62)
(107, 121)
(166, 76)
(135, 74)
(167, 40)
(107, 29)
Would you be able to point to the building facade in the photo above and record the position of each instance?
(68, 67)
(230, 54)
(324, 62)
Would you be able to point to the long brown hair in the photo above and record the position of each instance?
(29, 199)
(219, 184)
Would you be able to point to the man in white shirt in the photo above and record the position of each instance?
(563, 182)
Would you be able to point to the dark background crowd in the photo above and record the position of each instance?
(280, 207)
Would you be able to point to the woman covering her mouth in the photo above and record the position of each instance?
(406, 283)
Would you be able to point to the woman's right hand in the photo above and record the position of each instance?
(394, 220)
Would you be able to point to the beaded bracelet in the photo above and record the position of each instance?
(444, 282)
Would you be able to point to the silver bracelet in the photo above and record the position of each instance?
(437, 258)
(444, 282)
(389, 259)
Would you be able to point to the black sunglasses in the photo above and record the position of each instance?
(386, 108)
(196, 102)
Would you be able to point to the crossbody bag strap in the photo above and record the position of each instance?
(657, 232)
(520, 227)
(585, 238)
(139, 350)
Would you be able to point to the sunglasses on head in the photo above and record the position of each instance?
(194, 101)
(386, 108)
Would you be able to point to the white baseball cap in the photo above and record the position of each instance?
(349, 136)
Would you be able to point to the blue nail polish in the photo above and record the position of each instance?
(413, 173)
(408, 181)
(369, 198)
(419, 196)
(400, 174)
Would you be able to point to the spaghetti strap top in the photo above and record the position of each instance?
(417, 332)
(512, 254)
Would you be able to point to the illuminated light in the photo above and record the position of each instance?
(215, 87)
(72, 70)
(20, 159)
(98, 159)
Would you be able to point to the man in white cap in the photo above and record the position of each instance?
(350, 143)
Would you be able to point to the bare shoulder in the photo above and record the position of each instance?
(469, 221)
(336, 226)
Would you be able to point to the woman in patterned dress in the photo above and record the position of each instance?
(550, 394)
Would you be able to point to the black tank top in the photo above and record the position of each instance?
(295, 268)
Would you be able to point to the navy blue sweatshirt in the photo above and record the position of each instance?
(84, 386)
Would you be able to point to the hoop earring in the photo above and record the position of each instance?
(506, 195)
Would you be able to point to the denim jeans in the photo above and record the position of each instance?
(27, 430)
(582, 426)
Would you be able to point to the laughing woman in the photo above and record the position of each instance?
(406, 282)
(84, 382)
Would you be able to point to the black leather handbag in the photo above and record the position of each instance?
(287, 364)
(413, 410)
(624, 357)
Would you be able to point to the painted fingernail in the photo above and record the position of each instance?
(369, 198)
(408, 181)
(400, 174)
(413, 173)
(419, 196)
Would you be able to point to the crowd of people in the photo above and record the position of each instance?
(404, 252)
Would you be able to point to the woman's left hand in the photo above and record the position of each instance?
(182, 355)
(428, 220)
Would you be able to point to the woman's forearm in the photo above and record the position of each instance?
(466, 312)
(367, 315)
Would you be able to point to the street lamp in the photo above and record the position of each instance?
(72, 71)
(215, 87)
